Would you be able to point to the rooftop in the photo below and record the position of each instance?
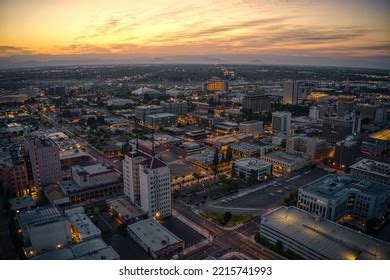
(38, 216)
(82, 223)
(372, 166)
(124, 207)
(154, 235)
(252, 163)
(94, 169)
(21, 202)
(332, 186)
(383, 135)
(285, 157)
(331, 240)
(246, 147)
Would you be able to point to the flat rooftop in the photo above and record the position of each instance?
(285, 157)
(39, 215)
(83, 224)
(246, 147)
(125, 207)
(154, 235)
(375, 167)
(160, 115)
(94, 169)
(383, 135)
(68, 154)
(331, 240)
(252, 163)
(332, 186)
(21, 202)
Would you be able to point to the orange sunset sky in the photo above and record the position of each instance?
(301, 27)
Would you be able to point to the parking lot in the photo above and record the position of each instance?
(270, 194)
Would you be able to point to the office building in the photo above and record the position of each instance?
(179, 108)
(336, 197)
(215, 85)
(285, 162)
(160, 120)
(314, 113)
(159, 242)
(257, 103)
(312, 147)
(147, 183)
(124, 210)
(91, 183)
(319, 239)
(44, 160)
(281, 121)
(251, 169)
(290, 92)
(13, 176)
(335, 129)
(141, 112)
(251, 127)
(372, 171)
(347, 151)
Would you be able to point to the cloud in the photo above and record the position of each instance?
(11, 50)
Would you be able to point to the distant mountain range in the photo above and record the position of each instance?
(378, 62)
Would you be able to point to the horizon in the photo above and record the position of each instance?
(296, 32)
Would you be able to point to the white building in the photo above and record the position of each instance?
(131, 182)
(372, 171)
(319, 239)
(94, 175)
(155, 188)
(281, 121)
(159, 242)
(251, 127)
(44, 159)
(314, 113)
(147, 183)
(252, 168)
(290, 92)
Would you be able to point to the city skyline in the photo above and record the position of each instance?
(355, 32)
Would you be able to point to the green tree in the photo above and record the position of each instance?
(229, 153)
(227, 217)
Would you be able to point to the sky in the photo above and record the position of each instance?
(331, 28)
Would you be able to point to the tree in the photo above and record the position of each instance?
(216, 161)
(196, 176)
(229, 154)
(227, 217)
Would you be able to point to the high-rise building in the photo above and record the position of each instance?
(257, 103)
(314, 113)
(281, 121)
(290, 92)
(147, 183)
(44, 158)
(335, 129)
(347, 151)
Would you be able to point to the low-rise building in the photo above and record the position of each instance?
(252, 169)
(160, 120)
(372, 171)
(81, 226)
(334, 197)
(285, 162)
(253, 126)
(319, 239)
(159, 242)
(125, 211)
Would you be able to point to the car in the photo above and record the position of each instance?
(279, 191)
(271, 194)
